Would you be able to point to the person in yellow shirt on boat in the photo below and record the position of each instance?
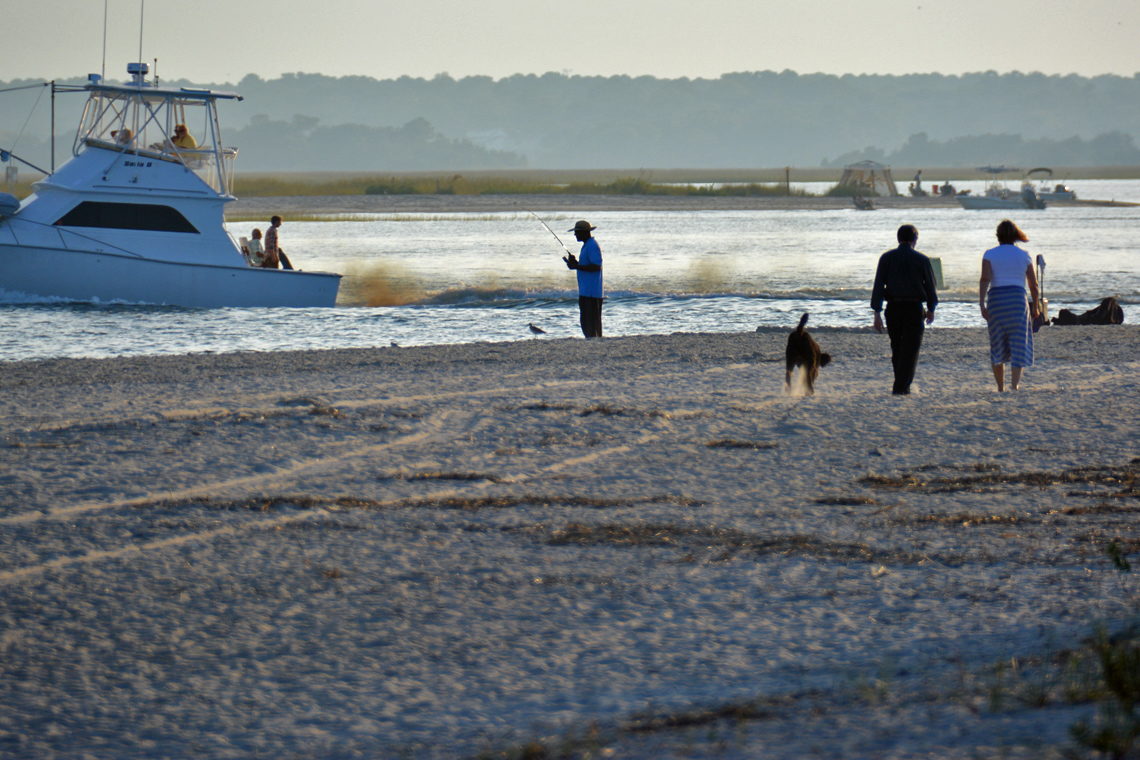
(182, 138)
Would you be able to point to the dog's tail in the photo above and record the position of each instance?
(824, 359)
(803, 321)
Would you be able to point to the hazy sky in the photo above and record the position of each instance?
(223, 40)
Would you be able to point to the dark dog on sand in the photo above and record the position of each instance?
(803, 352)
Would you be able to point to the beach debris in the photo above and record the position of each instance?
(1108, 312)
(303, 401)
(728, 443)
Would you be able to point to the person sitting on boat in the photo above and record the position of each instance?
(253, 249)
(182, 138)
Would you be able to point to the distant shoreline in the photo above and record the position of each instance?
(257, 207)
(328, 193)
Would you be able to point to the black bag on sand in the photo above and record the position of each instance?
(1107, 313)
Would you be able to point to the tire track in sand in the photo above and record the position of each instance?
(437, 430)
(99, 555)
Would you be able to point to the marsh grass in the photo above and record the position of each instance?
(460, 185)
(21, 188)
(258, 185)
(305, 216)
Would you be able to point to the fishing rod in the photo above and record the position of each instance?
(552, 232)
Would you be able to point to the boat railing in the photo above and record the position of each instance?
(203, 161)
(150, 121)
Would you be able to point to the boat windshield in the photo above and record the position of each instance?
(169, 124)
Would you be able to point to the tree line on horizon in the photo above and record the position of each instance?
(313, 122)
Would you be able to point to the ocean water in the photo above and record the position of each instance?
(457, 278)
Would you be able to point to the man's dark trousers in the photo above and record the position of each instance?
(904, 326)
(590, 311)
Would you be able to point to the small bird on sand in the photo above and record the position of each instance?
(536, 329)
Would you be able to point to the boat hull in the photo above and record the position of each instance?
(102, 277)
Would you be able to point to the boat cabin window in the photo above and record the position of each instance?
(126, 216)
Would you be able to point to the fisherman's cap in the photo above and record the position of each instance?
(581, 226)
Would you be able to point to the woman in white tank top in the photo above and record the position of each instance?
(1006, 272)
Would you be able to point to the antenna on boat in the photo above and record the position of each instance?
(142, 9)
(103, 70)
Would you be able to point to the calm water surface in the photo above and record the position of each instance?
(457, 278)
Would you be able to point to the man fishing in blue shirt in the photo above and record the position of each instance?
(588, 263)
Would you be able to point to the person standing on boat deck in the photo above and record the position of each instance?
(588, 264)
(274, 256)
(1006, 270)
(904, 279)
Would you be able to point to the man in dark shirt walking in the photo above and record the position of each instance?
(905, 280)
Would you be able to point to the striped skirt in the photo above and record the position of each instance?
(1011, 331)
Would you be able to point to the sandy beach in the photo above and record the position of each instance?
(635, 547)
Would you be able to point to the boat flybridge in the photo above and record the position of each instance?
(136, 214)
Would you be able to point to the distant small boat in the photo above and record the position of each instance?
(1060, 192)
(1048, 190)
(136, 215)
(998, 196)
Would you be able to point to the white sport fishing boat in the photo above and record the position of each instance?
(135, 215)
